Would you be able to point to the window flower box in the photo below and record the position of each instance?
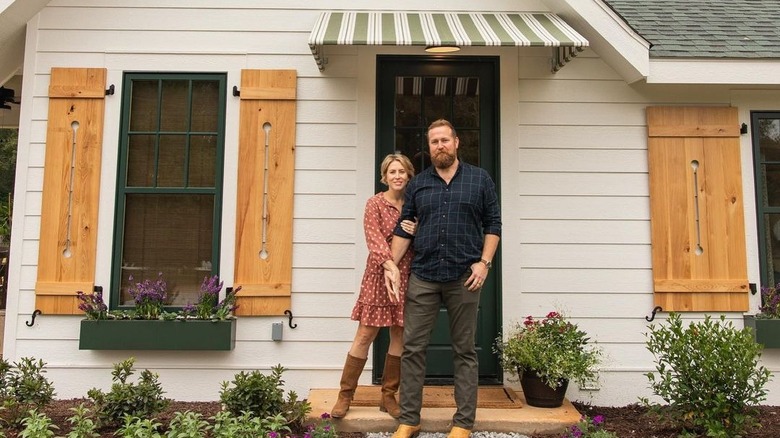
(128, 334)
(766, 331)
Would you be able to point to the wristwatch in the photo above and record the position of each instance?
(487, 263)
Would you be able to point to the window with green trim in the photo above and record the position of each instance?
(766, 148)
(169, 188)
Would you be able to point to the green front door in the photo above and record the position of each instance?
(412, 92)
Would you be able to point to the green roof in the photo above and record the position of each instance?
(705, 28)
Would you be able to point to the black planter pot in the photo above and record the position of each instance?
(538, 394)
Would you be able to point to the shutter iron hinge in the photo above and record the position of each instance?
(288, 312)
(656, 309)
(110, 90)
(32, 321)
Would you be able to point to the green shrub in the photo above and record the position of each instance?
(23, 386)
(255, 393)
(138, 428)
(143, 400)
(188, 425)
(37, 425)
(227, 425)
(708, 374)
(82, 425)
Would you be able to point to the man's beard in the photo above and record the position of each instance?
(443, 159)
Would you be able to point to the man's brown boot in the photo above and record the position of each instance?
(459, 432)
(391, 377)
(349, 378)
(406, 431)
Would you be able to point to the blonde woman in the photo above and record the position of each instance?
(376, 307)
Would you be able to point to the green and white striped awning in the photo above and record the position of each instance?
(443, 29)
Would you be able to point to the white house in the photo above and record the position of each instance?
(154, 134)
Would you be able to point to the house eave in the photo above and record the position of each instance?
(609, 35)
(727, 71)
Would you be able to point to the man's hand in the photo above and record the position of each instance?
(477, 278)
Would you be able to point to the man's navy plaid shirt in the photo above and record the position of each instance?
(451, 220)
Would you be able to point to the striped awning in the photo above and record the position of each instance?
(442, 29)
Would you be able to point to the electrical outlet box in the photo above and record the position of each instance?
(276, 331)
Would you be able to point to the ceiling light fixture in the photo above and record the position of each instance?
(442, 49)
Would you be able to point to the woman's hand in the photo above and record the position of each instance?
(392, 281)
(409, 226)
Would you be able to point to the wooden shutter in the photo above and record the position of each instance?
(71, 187)
(698, 224)
(266, 169)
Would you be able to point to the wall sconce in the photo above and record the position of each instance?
(442, 49)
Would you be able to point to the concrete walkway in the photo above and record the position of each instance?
(526, 420)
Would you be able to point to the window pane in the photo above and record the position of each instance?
(412, 143)
(140, 161)
(143, 108)
(408, 111)
(171, 234)
(170, 170)
(175, 106)
(436, 99)
(205, 100)
(468, 148)
(769, 139)
(203, 153)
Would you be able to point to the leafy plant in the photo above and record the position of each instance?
(143, 399)
(770, 303)
(322, 429)
(37, 425)
(149, 296)
(208, 305)
(255, 393)
(92, 305)
(139, 428)
(188, 425)
(245, 425)
(23, 386)
(708, 374)
(589, 428)
(553, 347)
(82, 425)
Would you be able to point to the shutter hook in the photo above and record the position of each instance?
(34, 314)
(656, 309)
(290, 316)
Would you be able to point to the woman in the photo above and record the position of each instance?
(375, 308)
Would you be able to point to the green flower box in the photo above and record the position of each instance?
(765, 331)
(108, 334)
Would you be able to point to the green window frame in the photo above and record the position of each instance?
(169, 178)
(766, 155)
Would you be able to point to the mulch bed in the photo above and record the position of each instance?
(626, 421)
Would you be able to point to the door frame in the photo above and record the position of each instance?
(490, 156)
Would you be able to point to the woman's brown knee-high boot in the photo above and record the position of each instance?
(391, 378)
(349, 378)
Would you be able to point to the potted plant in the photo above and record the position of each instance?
(547, 354)
(208, 324)
(766, 323)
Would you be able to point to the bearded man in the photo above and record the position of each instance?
(458, 229)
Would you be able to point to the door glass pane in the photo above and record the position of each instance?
(769, 139)
(772, 240)
(421, 100)
(171, 234)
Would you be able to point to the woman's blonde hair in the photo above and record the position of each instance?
(401, 158)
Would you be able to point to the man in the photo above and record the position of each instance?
(458, 229)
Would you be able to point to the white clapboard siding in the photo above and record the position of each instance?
(316, 255)
(323, 230)
(587, 282)
(322, 281)
(582, 160)
(584, 207)
(326, 182)
(593, 184)
(329, 206)
(577, 136)
(573, 255)
(330, 157)
(616, 91)
(556, 231)
(327, 134)
(575, 113)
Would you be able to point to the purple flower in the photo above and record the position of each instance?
(272, 434)
(325, 416)
(598, 419)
